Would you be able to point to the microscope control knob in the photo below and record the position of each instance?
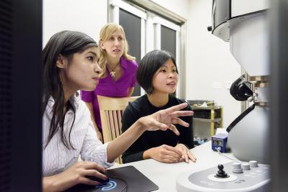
(246, 166)
(253, 163)
(221, 173)
(237, 168)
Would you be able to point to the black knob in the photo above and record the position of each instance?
(220, 167)
(221, 173)
(209, 28)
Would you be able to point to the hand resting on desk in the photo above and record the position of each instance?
(169, 154)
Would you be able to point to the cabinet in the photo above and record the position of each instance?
(206, 119)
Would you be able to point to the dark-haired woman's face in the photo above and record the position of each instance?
(166, 78)
(81, 72)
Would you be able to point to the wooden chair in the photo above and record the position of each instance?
(111, 111)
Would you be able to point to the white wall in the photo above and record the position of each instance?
(210, 66)
(209, 63)
(180, 7)
(87, 16)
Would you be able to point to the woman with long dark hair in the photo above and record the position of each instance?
(70, 64)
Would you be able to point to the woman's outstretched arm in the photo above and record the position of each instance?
(161, 120)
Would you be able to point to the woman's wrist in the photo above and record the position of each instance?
(56, 183)
(146, 154)
(141, 125)
(49, 184)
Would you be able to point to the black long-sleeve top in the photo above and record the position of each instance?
(142, 107)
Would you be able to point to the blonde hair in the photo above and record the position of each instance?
(105, 34)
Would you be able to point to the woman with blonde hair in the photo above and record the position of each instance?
(118, 78)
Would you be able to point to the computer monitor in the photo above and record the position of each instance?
(20, 95)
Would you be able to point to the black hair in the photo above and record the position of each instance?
(64, 43)
(149, 65)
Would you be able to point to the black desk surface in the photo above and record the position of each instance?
(121, 179)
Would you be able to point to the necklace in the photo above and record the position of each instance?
(112, 71)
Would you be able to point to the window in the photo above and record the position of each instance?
(146, 31)
(132, 26)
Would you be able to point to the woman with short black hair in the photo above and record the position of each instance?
(157, 74)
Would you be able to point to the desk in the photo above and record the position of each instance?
(165, 175)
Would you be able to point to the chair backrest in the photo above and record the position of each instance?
(111, 111)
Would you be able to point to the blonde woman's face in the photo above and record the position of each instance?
(114, 45)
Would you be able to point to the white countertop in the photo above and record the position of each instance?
(165, 175)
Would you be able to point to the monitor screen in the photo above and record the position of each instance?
(20, 95)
